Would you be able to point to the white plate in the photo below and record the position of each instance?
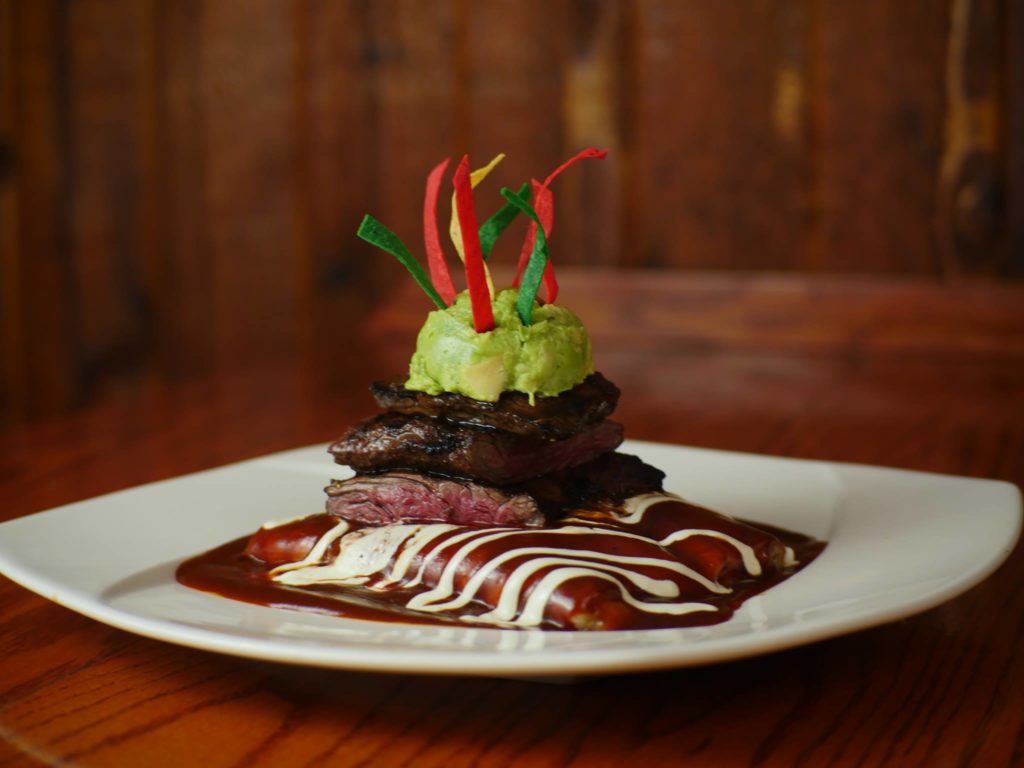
(899, 543)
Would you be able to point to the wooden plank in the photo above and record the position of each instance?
(413, 55)
(968, 226)
(185, 179)
(13, 397)
(511, 97)
(719, 140)
(43, 320)
(183, 287)
(374, 109)
(107, 46)
(589, 199)
(512, 92)
(879, 118)
(1013, 126)
(335, 148)
(247, 78)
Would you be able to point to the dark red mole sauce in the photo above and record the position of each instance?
(240, 570)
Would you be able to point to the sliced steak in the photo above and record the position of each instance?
(410, 497)
(608, 479)
(549, 417)
(396, 441)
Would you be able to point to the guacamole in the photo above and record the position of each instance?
(545, 358)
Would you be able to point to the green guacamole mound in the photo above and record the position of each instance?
(545, 358)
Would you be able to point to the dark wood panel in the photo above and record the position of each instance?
(879, 120)
(185, 297)
(510, 58)
(42, 311)
(719, 151)
(1013, 129)
(590, 212)
(11, 365)
(510, 61)
(414, 49)
(109, 198)
(336, 126)
(182, 181)
(971, 187)
(246, 64)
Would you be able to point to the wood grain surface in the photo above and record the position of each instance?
(896, 372)
(180, 182)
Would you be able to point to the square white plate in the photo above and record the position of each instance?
(899, 542)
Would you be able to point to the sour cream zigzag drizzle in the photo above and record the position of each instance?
(533, 612)
(435, 599)
(750, 561)
(413, 546)
(634, 509)
(637, 506)
(362, 554)
(399, 556)
(316, 554)
(446, 583)
(468, 534)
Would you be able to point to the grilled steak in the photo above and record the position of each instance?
(413, 497)
(608, 479)
(409, 497)
(550, 417)
(396, 441)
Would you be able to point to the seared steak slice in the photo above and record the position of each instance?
(409, 497)
(396, 441)
(587, 403)
(412, 497)
(608, 479)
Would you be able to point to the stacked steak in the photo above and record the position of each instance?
(449, 458)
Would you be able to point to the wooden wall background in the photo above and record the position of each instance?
(180, 181)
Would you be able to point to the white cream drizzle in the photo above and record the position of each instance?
(316, 554)
(750, 561)
(443, 600)
(746, 551)
(512, 589)
(361, 554)
(636, 506)
(446, 583)
(458, 538)
(389, 552)
(533, 612)
(413, 546)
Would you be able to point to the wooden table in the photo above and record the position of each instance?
(898, 373)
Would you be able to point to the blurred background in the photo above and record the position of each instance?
(180, 182)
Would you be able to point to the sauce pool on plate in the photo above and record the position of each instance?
(654, 562)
